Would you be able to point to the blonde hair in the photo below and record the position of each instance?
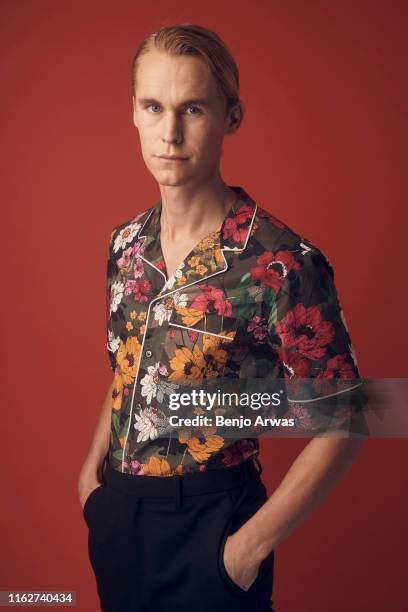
(192, 39)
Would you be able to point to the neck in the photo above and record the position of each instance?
(193, 211)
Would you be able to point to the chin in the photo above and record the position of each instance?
(168, 179)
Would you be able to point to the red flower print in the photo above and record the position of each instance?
(303, 329)
(140, 289)
(272, 269)
(138, 269)
(258, 326)
(193, 335)
(295, 365)
(138, 248)
(161, 264)
(336, 368)
(125, 260)
(244, 213)
(212, 299)
(231, 225)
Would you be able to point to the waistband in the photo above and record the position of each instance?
(195, 483)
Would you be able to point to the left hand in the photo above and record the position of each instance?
(240, 567)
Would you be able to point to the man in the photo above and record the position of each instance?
(200, 286)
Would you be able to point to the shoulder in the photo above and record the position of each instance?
(286, 245)
(124, 233)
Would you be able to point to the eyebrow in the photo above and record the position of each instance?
(192, 101)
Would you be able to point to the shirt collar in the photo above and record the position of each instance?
(206, 259)
(235, 229)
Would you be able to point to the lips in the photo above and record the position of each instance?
(172, 157)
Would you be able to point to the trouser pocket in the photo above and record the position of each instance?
(243, 507)
(87, 510)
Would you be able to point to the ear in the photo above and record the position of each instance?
(234, 118)
(134, 112)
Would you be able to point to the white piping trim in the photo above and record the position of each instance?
(159, 297)
(200, 331)
(323, 396)
(139, 235)
(151, 264)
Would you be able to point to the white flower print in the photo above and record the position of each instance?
(177, 274)
(112, 343)
(180, 299)
(149, 422)
(126, 235)
(116, 295)
(153, 386)
(149, 382)
(163, 310)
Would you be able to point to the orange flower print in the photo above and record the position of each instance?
(219, 257)
(193, 261)
(207, 242)
(117, 391)
(202, 447)
(127, 359)
(189, 316)
(192, 365)
(181, 280)
(187, 365)
(201, 270)
(157, 467)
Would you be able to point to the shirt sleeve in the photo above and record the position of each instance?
(110, 273)
(308, 329)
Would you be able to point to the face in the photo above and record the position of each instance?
(178, 111)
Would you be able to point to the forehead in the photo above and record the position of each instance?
(178, 77)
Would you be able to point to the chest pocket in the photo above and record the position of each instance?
(220, 314)
(202, 332)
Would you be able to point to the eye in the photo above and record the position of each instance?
(154, 106)
(195, 108)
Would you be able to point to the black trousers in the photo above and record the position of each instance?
(156, 544)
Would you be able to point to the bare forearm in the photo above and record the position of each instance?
(100, 440)
(310, 478)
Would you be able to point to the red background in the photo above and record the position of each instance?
(322, 147)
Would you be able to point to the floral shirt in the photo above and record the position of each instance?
(254, 299)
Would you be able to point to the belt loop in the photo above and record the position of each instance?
(177, 491)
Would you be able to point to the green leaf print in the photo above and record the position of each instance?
(118, 454)
(272, 316)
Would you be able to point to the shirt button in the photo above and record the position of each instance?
(138, 406)
(148, 353)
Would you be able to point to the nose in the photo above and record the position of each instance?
(172, 129)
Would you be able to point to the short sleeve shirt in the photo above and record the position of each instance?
(254, 299)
